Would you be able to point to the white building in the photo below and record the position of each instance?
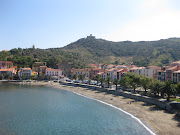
(25, 72)
(176, 76)
(150, 71)
(53, 72)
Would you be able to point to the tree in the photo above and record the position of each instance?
(169, 89)
(49, 78)
(178, 88)
(156, 87)
(108, 81)
(1, 77)
(102, 81)
(82, 77)
(31, 77)
(97, 78)
(125, 81)
(145, 83)
(134, 85)
(75, 77)
(7, 76)
(116, 82)
(89, 81)
(22, 77)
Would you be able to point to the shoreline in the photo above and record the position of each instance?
(132, 116)
(158, 121)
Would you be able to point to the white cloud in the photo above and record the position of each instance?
(157, 22)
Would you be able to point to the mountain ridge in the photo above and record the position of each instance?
(92, 50)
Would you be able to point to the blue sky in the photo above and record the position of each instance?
(56, 23)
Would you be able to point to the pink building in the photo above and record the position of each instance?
(6, 64)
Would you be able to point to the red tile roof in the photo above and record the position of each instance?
(7, 69)
(5, 61)
(51, 69)
(26, 68)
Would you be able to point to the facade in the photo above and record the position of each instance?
(36, 65)
(79, 72)
(53, 72)
(10, 71)
(93, 72)
(120, 73)
(137, 70)
(170, 73)
(176, 76)
(25, 72)
(6, 64)
(112, 73)
(151, 71)
(42, 69)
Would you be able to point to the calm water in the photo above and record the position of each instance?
(46, 111)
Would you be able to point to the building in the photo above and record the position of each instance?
(36, 65)
(120, 73)
(6, 64)
(112, 73)
(66, 68)
(94, 71)
(79, 72)
(151, 71)
(42, 69)
(25, 73)
(176, 76)
(10, 71)
(137, 70)
(53, 72)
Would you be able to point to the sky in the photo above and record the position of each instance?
(56, 23)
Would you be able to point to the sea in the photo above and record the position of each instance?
(39, 110)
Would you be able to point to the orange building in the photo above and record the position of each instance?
(94, 71)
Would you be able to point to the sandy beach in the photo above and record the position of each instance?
(159, 121)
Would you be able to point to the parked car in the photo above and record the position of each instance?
(68, 80)
(85, 81)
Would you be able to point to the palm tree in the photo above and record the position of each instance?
(156, 87)
(178, 88)
(75, 77)
(116, 82)
(82, 77)
(97, 78)
(108, 81)
(49, 78)
(102, 81)
(89, 81)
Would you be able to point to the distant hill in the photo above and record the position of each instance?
(92, 50)
(142, 53)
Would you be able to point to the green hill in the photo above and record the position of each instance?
(92, 50)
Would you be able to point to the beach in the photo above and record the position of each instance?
(159, 121)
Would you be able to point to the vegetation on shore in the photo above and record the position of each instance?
(157, 88)
(92, 50)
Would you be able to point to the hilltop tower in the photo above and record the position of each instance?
(91, 37)
(33, 47)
